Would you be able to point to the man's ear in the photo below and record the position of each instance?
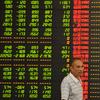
(70, 67)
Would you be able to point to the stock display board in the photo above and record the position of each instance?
(38, 41)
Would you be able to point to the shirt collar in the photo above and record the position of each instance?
(74, 78)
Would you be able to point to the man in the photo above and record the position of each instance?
(71, 88)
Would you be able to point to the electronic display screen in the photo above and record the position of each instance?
(38, 41)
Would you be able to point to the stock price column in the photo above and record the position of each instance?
(45, 49)
(6, 31)
(94, 68)
(81, 38)
(61, 42)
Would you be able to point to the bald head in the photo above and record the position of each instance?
(76, 61)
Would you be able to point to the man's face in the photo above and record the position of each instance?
(77, 68)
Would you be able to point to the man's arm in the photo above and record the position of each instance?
(65, 89)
